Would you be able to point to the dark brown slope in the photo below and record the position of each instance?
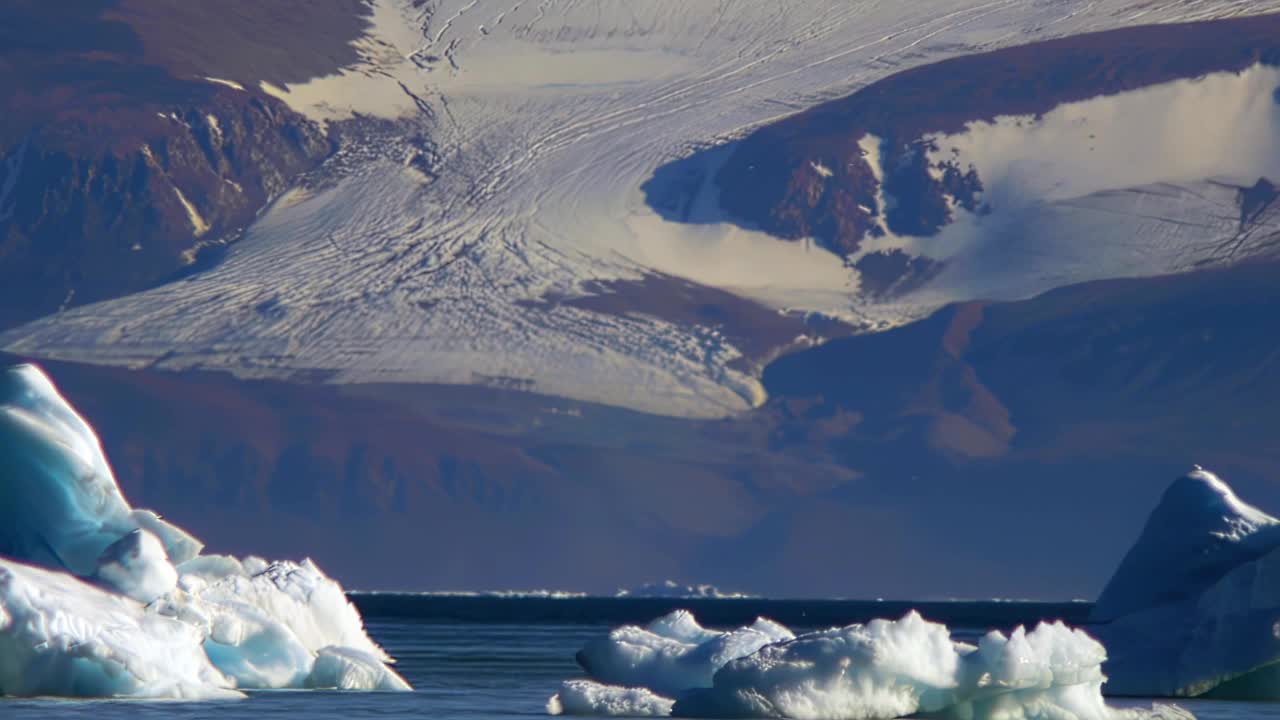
(1004, 449)
(107, 125)
(431, 487)
(769, 180)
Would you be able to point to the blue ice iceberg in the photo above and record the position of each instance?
(62, 636)
(1194, 607)
(99, 599)
(60, 506)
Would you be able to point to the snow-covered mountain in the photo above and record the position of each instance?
(532, 195)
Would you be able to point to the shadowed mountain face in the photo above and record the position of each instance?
(1012, 426)
(121, 160)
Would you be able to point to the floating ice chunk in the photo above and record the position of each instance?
(680, 625)
(137, 566)
(1197, 533)
(884, 669)
(881, 670)
(250, 623)
(310, 604)
(1194, 607)
(60, 506)
(267, 624)
(62, 636)
(344, 668)
(672, 653)
(585, 697)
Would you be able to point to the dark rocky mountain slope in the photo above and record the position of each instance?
(135, 135)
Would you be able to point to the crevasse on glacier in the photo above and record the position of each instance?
(98, 599)
(874, 671)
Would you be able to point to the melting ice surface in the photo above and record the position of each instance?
(98, 599)
(883, 669)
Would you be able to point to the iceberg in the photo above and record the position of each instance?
(60, 506)
(875, 671)
(1194, 607)
(674, 652)
(587, 697)
(63, 636)
(100, 599)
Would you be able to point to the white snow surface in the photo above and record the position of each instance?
(345, 668)
(145, 628)
(1194, 606)
(517, 136)
(877, 671)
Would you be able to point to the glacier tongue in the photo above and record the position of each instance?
(159, 620)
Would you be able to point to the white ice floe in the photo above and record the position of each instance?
(159, 620)
(1194, 607)
(62, 636)
(345, 668)
(586, 697)
(875, 671)
(673, 653)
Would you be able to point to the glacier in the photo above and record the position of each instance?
(98, 599)
(1194, 607)
(541, 123)
(875, 671)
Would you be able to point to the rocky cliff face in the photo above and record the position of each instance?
(126, 151)
(87, 223)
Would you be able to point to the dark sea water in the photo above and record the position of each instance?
(492, 666)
